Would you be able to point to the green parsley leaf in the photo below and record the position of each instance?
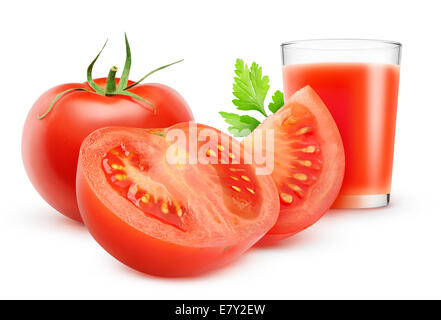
(241, 126)
(278, 101)
(250, 87)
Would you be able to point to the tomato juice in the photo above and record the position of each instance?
(362, 98)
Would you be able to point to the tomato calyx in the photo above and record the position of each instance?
(111, 88)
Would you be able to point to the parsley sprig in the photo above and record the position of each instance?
(250, 88)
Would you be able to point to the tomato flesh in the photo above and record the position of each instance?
(122, 167)
(299, 148)
(309, 162)
(184, 218)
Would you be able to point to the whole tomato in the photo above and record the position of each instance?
(64, 115)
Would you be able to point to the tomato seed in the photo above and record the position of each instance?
(287, 198)
(303, 131)
(305, 163)
(164, 208)
(210, 153)
(309, 149)
(300, 176)
(120, 177)
(290, 120)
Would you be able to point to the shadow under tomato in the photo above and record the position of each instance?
(49, 218)
(306, 237)
(299, 239)
(53, 219)
(219, 272)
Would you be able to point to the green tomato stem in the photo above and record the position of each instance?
(111, 84)
(111, 88)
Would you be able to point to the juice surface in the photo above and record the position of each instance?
(362, 98)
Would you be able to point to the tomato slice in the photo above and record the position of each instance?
(309, 161)
(172, 202)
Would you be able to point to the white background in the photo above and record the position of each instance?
(382, 253)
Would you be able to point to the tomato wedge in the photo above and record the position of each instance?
(309, 161)
(172, 202)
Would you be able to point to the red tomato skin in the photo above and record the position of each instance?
(143, 252)
(50, 146)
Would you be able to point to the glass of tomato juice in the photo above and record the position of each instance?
(358, 81)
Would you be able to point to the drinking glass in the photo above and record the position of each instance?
(358, 81)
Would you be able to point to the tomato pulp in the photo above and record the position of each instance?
(50, 146)
(308, 161)
(151, 204)
(362, 98)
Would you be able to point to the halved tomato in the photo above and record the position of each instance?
(309, 161)
(172, 202)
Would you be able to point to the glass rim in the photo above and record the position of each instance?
(376, 44)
